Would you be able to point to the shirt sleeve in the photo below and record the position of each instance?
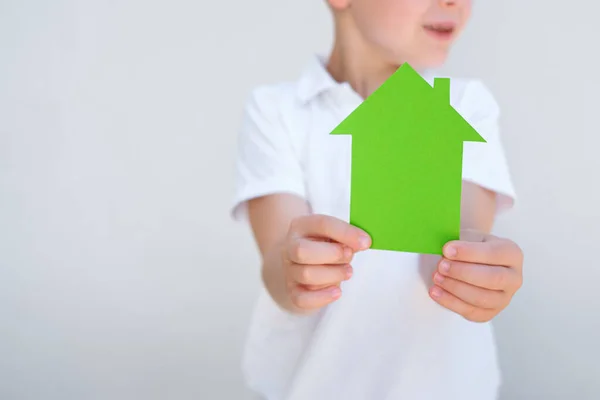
(266, 162)
(485, 164)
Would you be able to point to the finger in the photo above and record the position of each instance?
(312, 299)
(328, 227)
(472, 235)
(473, 295)
(486, 276)
(453, 303)
(307, 251)
(318, 275)
(492, 251)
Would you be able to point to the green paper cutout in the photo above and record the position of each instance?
(407, 150)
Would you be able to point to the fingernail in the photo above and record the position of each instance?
(335, 292)
(444, 266)
(450, 251)
(364, 241)
(438, 278)
(349, 272)
(436, 292)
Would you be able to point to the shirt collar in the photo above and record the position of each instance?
(315, 79)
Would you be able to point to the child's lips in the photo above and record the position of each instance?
(441, 30)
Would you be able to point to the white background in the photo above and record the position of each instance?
(121, 274)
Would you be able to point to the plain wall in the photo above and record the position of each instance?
(121, 274)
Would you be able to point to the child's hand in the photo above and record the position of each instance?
(477, 279)
(316, 259)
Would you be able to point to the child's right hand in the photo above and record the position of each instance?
(316, 255)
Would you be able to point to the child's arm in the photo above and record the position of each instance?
(305, 257)
(270, 218)
(478, 208)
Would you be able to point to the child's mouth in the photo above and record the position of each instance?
(442, 31)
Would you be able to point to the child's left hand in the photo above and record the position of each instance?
(477, 279)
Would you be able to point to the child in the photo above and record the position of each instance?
(407, 326)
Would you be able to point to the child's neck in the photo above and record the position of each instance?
(352, 61)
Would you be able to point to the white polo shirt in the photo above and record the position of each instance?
(385, 338)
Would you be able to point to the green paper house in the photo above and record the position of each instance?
(407, 149)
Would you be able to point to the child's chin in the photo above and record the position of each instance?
(423, 61)
(432, 60)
